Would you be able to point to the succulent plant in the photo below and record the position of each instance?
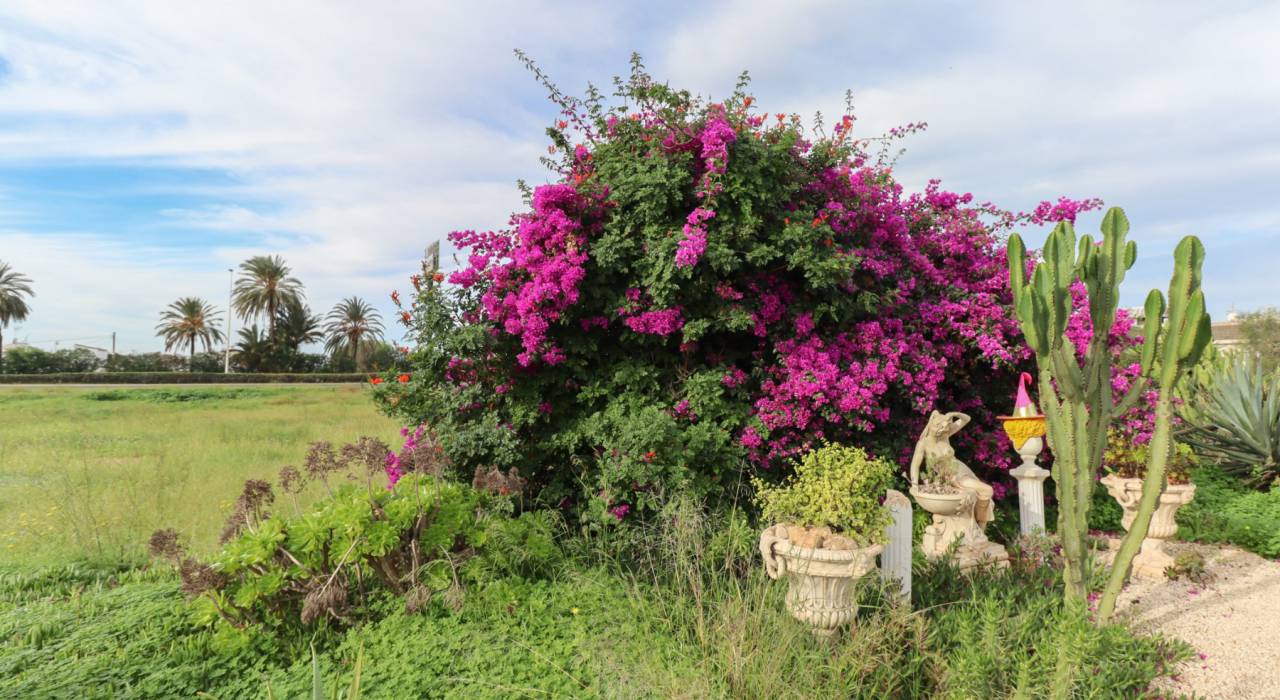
(1233, 419)
(1076, 398)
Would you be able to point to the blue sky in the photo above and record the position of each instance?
(147, 147)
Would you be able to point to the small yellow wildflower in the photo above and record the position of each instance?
(575, 611)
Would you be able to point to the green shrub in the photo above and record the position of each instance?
(29, 360)
(420, 541)
(834, 486)
(1226, 512)
(1128, 459)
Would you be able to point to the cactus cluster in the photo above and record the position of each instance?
(1076, 396)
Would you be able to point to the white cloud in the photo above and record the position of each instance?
(352, 138)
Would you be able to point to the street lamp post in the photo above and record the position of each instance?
(226, 355)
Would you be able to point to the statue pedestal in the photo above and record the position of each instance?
(954, 526)
(1030, 487)
(895, 560)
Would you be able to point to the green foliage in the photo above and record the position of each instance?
(1225, 512)
(834, 486)
(173, 395)
(420, 540)
(30, 360)
(1128, 459)
(1261, 331)
(1077, 396)
(72, 632)
(1233, 419)
(1189, 564)
(681, 618)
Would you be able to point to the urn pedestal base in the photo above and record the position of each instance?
(1151, 560)
(953, 522)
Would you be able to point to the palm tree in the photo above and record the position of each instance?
(188, 320)
(253, 352)
(297, 326)
(264, 286)
(351, 321)
(13, 287)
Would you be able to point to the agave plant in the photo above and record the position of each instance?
(1233, 419)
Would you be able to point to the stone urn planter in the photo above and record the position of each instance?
(821, 579)
(954, 525)
(1152, 560)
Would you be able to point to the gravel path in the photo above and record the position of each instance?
(1233, 622)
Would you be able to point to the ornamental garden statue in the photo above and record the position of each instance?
(961, 504)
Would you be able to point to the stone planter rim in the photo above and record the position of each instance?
(1134, 483)
(940, 503)
(787, 548)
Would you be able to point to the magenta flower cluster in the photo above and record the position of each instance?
(714, 141)
(838, 308)
(540, 269)
(395, 464)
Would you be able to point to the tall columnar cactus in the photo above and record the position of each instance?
(1077, 397)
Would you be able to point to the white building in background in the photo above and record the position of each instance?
(1227, 335)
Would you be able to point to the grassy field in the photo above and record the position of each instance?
(88, 474)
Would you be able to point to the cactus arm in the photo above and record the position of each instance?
(1060, 423)
(1063, 363)
(1184, 340)
(1152, 488)
(1153, 310)
(1016, 251)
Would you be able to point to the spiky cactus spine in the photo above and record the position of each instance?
(1077, 400)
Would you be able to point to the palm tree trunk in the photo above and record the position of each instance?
(192, 360)
(355, 351)
(1, 348)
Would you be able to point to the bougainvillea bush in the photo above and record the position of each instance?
(708, 290)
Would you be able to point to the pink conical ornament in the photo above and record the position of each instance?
(1023, 406)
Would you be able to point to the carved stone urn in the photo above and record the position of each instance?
(821, 580)
(1152, 560)
(954, 525)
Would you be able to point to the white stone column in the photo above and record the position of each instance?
(895, 560)
(1031, 487)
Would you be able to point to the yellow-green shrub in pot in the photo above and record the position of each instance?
(828, 526)
(1126, 464)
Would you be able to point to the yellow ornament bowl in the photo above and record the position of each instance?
(1020, 429)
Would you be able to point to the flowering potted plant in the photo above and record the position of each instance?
(829, 525)
(1126, 464)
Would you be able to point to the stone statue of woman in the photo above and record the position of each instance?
(934, 450)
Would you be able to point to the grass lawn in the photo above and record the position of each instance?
(680, 608)
(88, 473)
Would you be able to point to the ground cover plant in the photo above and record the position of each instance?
(1226, 512)
(90, 473)
(680, 609)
